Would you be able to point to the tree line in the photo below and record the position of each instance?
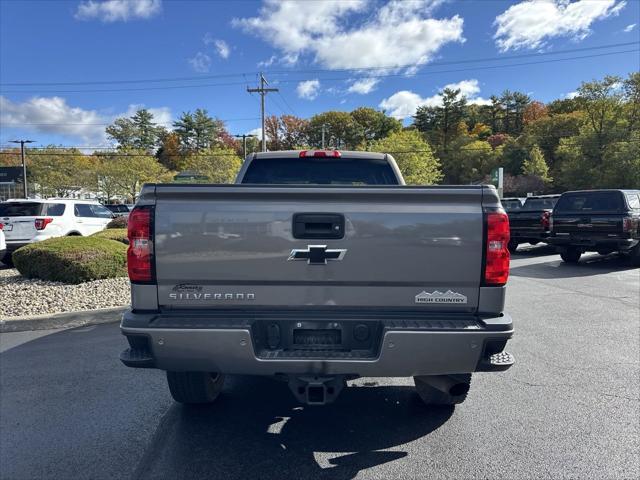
(591, 140)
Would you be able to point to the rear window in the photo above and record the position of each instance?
(320, 171)
(31, 209)
(539, 203)
(511, 205)
(606, 202)
(21, 209)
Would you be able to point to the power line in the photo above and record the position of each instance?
(9, 124)
(262, 90)
(319, 70)
(100, 151)
(295, 80)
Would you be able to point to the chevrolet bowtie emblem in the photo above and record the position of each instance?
(317, 254)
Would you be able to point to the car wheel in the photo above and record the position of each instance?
(195, 387)
(634, 258)
(7, 259)
(513, 246)
(432, 396)
(571, 255)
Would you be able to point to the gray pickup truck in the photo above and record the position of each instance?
(316, 268)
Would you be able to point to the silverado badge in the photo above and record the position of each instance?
(439, 297)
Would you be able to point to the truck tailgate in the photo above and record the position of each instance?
(230, 246)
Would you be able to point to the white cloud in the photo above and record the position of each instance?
(404, 103)
(573, 94)
(222, 48)
(308, 89)
(399, 33)
(53, 115)
(530, 24)
(201, 62)
(628, 28)
(363, 86)
(118, 10)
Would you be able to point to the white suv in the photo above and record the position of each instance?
(28, 221)
(3, 244)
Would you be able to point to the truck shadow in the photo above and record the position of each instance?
(257, 430)
(590, 264)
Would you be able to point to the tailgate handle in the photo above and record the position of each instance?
(318, 225)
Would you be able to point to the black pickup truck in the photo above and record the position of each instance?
(602, 221)
(530, 222)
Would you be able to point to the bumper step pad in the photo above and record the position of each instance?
(137, 358)
(497, 362)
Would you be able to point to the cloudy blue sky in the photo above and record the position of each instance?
(69, 67)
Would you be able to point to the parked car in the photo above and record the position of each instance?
(530, 222)
(318, 267)
(119, 210)
(28, 221)
(602, 221)
(3, 243)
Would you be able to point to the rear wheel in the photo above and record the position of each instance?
(195, 387)
(571, 255)
(432, 396)
(634, 258)
(513, 245)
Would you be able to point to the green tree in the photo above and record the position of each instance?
(199, 131)
(339, 128)
(475, 160)
(371, 125)
(536, 165)
(57, 172)
(139, 131)
(124, 172)
(414, 156)
(217, 164)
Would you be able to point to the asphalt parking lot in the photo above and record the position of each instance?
(570, 407)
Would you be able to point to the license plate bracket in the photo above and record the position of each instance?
(317, 338)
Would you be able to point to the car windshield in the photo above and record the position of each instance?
(539, 203)
(320, 171)
(590, 202)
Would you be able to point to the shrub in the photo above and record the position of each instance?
(72, 259)
(117, 234)
(118, 222)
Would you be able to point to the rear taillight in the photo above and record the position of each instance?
(41, 223)
(320, 153)
(544, 220)
(496, 267)
(140, 251)
(1, 226)
(627, 224)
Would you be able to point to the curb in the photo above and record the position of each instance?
(62, 320)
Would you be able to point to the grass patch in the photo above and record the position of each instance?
(72, 259)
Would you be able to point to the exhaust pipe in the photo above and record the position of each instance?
(448, 384)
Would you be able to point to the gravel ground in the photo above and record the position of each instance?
(23, 297)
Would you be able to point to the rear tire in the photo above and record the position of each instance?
(432, 396)
(571, 255)
(634, 258)
(513, 246)
(195, 387)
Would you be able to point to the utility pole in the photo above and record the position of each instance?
(262, 91)
(323, 125)
(24, 164)
(244, 143)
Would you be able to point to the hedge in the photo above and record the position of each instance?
(72, 259)
(118, 222)
(117, 234)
